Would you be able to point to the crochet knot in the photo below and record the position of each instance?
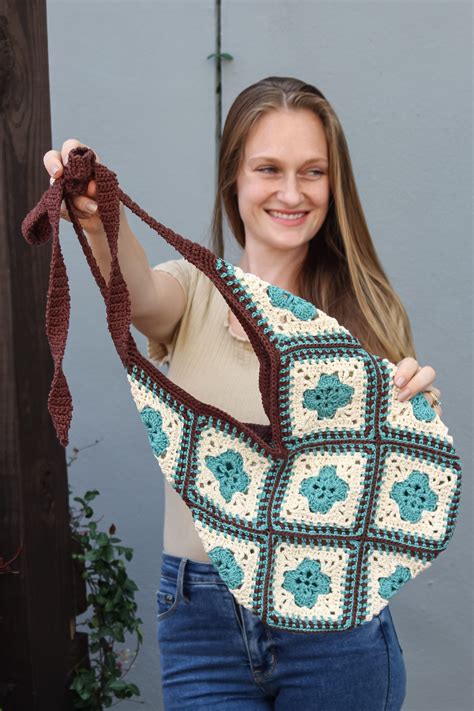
(79, 170)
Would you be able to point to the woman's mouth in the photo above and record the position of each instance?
(289, 219)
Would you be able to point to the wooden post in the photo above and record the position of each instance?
(37, 639)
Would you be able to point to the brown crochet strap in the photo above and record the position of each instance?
(42, 223)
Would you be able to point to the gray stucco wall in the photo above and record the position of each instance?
(131, 80)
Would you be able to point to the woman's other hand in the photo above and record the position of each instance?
(411, 378)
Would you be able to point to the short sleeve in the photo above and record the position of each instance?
(159, 352)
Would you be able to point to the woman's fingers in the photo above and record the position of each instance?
(53, 163)
(421, 381)
(417, 379)
(92, 188)
(406, 369)
(83, 207)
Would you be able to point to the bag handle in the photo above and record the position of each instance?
(42, 224)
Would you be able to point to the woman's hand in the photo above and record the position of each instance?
(416, 379)
(85, 206)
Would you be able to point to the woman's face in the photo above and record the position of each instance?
(284, 170)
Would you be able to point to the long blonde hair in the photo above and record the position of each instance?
(342, 274)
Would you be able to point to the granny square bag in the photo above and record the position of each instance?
(316, 520)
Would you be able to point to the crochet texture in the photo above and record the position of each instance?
(316, 520)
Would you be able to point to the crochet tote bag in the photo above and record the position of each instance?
(316, 520)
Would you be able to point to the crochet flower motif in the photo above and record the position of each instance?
(307, 582)
(421, 408)
(299, 307)
(389, 586)
(329, 395)
(228, 468)
(323, 490)
(414, 496)
(154, 423)
(227, 567)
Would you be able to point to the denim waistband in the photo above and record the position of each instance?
(193, 571)
(184, 569)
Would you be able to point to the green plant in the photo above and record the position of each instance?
(111, 600)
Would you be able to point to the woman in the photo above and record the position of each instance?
(287, 189)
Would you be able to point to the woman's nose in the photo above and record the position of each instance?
(290, 191)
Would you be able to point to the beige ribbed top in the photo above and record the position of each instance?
(207, 359)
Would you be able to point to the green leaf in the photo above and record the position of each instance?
(103, 539)
(118, 685)
(222, 55)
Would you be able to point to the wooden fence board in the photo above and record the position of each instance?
(36, 599)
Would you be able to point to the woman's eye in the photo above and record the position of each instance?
(271, 168)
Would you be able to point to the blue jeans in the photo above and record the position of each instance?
(216, 654)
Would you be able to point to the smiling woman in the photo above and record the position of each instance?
(286, 186)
